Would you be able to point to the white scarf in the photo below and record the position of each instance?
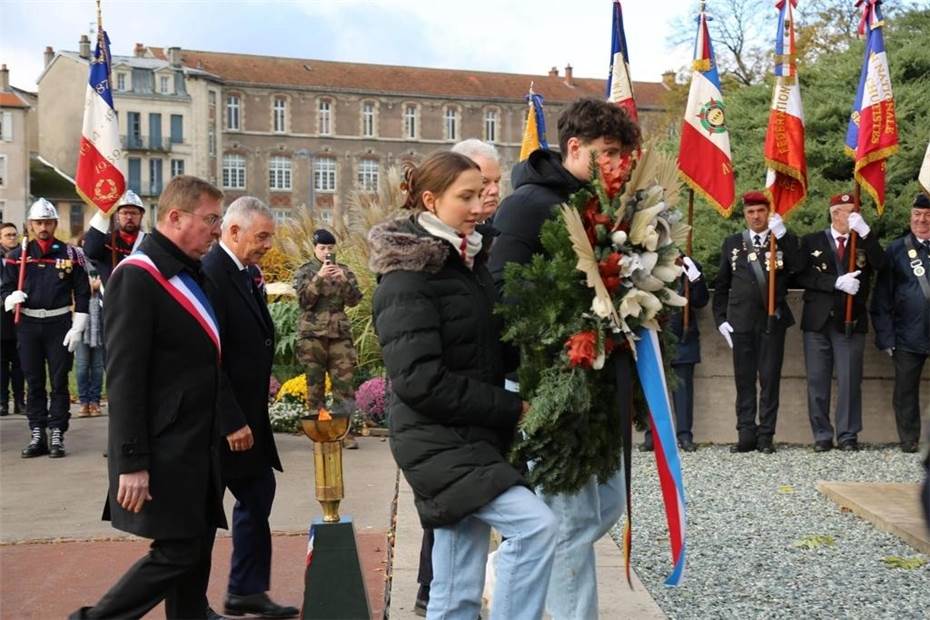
(467, 247)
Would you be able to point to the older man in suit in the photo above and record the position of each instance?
(163, 366)
(237, 293)
(828, 282)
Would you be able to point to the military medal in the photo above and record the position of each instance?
(919, 271)
(816, 253)
(912, 253)
(860, 258)
(753, 256)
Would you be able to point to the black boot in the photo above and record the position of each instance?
(56, 448)
(19, 405)
(4, 409)
(38, 445)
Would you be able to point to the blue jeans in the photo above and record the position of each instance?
(88, 363)
(583, 517)
(524, 560)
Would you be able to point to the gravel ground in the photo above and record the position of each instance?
(746, 515)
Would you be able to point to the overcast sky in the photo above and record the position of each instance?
(521, 36)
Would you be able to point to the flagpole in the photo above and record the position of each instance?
(772, 265)
(687, 309)
(851, 260)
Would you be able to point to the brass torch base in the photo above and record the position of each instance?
(327, 461)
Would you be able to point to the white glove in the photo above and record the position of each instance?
(777, 226)
(73, 337)
(858, 224)
(890, 352)
(16, 297)
(725, 330)
(848, 282)
(101, 222)
(691, 269)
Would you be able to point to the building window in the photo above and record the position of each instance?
(410, 121)
(155, 176)
(2, 170)
(281, 216)
(121, 82)
(155, 130)
(451, 118)
(177, 167)
(326, 216)
(211, 99)
(279, 109)
(134, 130)
(76, 218)
(177, 129)
(368, 175)
(324, 117)
(135, 174)
(279, 173)
(232, 112)
(163, 84)
(490, 125)
(324, 175)
(234, 171)
(368, 119)
(2, 208)
(211, 141)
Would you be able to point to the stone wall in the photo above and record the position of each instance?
(715, 393)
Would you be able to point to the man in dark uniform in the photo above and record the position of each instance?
(741, 314)
(688, 354)
(901, 316)
(11, 373)
(106, 248)
(828, 284)
(47, 333)
(163, 365)
(247, 333)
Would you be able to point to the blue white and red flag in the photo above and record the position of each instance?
(704, 159)
(786, 180)
(99, 180)
(872, 136)
(619, 84)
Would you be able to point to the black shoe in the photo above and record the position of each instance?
(19, 406)
(212, 615)
(687, 445)
(743, 447)
(422, 602)
(56, 444)
(38, 445)
(824, 445)
(765, 445)
(258, 604)
(909, 446)
(850, 445)
(4, 411)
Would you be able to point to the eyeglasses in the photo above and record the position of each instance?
(210, 220)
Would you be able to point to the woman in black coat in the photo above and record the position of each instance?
(451, 419)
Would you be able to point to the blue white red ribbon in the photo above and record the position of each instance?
(184, 290)
(668, 461)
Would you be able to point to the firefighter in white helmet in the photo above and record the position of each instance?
(106, 246)
(48, 330)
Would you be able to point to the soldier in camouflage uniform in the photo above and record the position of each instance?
(324, 289)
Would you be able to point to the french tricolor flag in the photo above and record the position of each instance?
(704, 159)
(872, 136)
(99, 180)
(619, 85)
(786, 181)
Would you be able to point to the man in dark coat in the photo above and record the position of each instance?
(688, 354)
(828, 283)
(741, 314)
(588, 128)
(163, 365)
(901, 316)
(106, 248)
(247, 332)
(11, 373)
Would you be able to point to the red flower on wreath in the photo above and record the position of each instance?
(609, 269)
(582, 349)
(613, 176)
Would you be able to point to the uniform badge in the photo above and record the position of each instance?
(816, 253)
(823, 266)
(752, 256)
(919, 271)
(912, 253)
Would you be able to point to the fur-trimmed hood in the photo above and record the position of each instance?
(403, 245)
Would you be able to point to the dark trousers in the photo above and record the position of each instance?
(907, 369)
(757, 355)
(825, 351)
(11, 373)
(39, 342)
(683, 401)
(250, 568)
(176, 571)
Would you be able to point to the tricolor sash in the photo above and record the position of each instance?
(184, 290)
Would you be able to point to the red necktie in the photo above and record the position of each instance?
(841, 248)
